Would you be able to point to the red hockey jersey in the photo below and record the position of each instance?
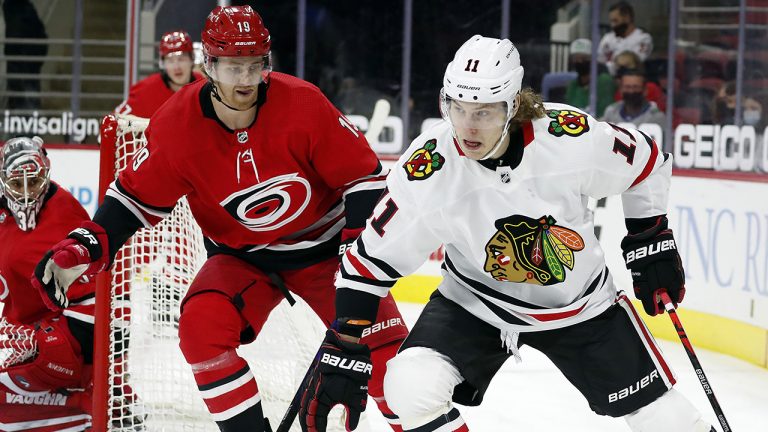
(147, 95)
(276, 188)
(21, 251)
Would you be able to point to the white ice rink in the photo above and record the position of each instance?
(533, 396)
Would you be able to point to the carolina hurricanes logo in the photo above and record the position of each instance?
(271, 204)
(3, 288)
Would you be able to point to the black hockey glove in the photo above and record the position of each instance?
(651, 256)
(340, 375)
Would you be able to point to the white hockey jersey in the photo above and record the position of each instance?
(520, 248)
(639, 42)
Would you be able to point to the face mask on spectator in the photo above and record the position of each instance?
(633, 99)
(620, 29)
(751, 117)
(581, 68)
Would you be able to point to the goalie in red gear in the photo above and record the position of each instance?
(176, 71)
(45, 356)
(277, 179)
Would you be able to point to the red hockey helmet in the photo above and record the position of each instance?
(175, 41)
(235, 31)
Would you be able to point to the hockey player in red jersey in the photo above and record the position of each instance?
(503, 183)
(279, 182)
(45, 356)
(176, 71)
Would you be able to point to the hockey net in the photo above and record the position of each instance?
(145, 383)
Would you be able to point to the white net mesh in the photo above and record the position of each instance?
(17, 343)
(152, 385)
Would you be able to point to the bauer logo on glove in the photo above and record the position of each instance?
(649, 250)
(345, 363)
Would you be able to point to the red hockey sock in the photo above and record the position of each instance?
(224, 379)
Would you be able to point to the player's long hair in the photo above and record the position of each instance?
(531, 107)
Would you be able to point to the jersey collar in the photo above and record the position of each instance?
(514, 153)
(207, 105)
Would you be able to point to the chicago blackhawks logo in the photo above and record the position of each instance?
(567, 122)
(531, 251)
(271, 204)
(424, 162)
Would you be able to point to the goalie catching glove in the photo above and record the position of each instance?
(79, 257)
(339, 375)
(651, 256)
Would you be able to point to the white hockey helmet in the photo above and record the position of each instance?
(484, 70)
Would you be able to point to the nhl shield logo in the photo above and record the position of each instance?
(505, 174)
(242, 136)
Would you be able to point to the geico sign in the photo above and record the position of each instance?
(728, 148)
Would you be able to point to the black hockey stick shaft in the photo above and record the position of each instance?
(670, 307)
(293, 408)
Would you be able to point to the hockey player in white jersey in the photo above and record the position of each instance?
(503, 184)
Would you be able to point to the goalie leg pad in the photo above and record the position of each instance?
(58, 363)
(419, 388)
(671, 412)
(209, 333)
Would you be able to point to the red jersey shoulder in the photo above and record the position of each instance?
(290, 91)
(184, 104)
(180, 116)
(62, 210)
(196, 76)
(147, 95)
(306, 107)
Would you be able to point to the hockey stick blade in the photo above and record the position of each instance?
(670, 307)
(379, 116)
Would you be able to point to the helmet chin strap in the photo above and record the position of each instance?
(215, 93)
(496, 148)
(504, 132)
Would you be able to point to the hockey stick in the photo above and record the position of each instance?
(379, 116)
(293, 408)
(670, 307)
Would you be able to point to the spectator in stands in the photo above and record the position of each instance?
(628, 60)
(22, 21)
(633, 107)
(724, 108)
(577, 93)
(176, 70)
(625, 36)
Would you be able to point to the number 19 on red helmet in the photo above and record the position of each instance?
(237, 34)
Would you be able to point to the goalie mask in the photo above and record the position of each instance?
(24, 179)
(480, 89)
(236, 46)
